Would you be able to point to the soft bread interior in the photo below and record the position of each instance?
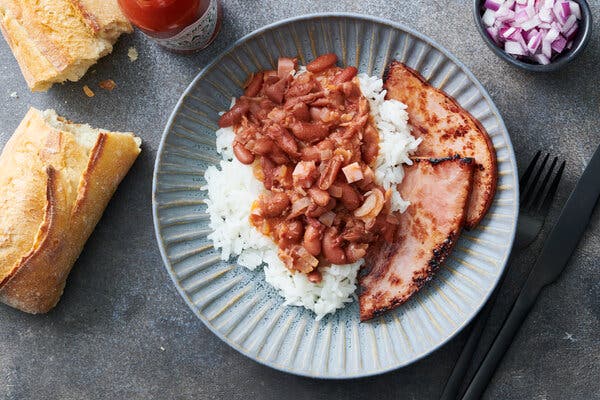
(84, 134)
(43, 140)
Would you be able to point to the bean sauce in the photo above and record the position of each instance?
(313, 144)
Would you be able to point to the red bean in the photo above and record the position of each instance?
(331, 248)
(345, 75)
(287, 142)
(299, 89)
(276, 91)
(370, 145)
(320, 197)
(321, 63)
(254, 85)
(273, 204)
(262, 146)
(291, 231)
(312, 237)
(244, 155)
(300, 112)
(316, 211)
(268, 170)
(351, 199)
(310, 153)
(234, 115)
(330, 172)
(310, 132)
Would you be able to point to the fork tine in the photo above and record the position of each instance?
(545, 206)
(536, 178)
(535, 204)
(528, 172)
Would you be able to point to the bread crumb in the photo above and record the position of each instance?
(88, 92)
(132, 53)
(14, 95)
(107, 84)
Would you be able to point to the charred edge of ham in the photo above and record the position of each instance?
(435, 161)
(439, 256)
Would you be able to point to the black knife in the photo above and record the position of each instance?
(555, 254)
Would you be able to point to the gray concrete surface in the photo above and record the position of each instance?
(121, 330)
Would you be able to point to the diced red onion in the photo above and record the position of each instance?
(520, 8)
(522, 42)
(536, 30)
(532, 23)
(505, 15)
(529, 34)
(571, 21)
(575, 9)
(299, 206)
(502, 31)
(530, 11)
(534, 43)
(541, 59)
(493, 34)
(489, 17)
(545, 15)
(566, 9)
(559, 44)
(570, 34)
(514, 48)
(493, 5)
(521, 16)
(551, 36)
(546, 48)
(327, 218)
(557, 10)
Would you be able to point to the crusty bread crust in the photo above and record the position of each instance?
(80, 170)
(58, 40)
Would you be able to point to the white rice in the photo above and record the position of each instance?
(232, 188)
(396, 144)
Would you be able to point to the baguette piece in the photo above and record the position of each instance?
(56, 179)
(58, 40)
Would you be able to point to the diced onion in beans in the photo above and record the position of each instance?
(353, 172)
(533, 30)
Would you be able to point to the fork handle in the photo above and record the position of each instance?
(502, 342)
(454, 382)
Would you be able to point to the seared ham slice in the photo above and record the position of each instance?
(438, 190)
(447, 130)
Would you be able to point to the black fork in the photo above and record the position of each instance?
(536, 199)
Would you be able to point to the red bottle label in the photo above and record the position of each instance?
(197, 35)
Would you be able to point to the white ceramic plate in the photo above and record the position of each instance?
(236, 304)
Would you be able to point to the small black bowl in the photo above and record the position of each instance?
(579, 42)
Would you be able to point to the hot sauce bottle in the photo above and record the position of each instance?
(182, 26)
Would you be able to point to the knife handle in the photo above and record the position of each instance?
(502, 342)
